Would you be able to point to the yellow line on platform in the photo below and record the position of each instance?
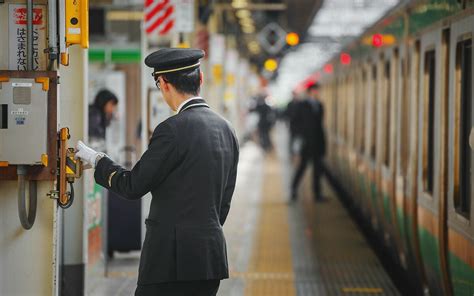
(363, 290)
(271, 269)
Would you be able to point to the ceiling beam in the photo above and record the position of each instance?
(253, 6)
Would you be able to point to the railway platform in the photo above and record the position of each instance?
(279, 248)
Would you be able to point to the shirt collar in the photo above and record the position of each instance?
(186, 101)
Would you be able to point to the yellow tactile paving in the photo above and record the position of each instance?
(271, 269)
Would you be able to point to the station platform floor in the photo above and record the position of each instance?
(276, 248)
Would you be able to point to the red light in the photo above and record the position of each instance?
(328, 68)
(377, 40)
(345, 58)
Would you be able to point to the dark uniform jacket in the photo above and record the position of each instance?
(310, 114)
(190, 168)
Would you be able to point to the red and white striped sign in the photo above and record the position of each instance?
(159, 16)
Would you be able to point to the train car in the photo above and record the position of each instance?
(399, 119)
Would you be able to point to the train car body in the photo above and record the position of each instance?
(398, 124)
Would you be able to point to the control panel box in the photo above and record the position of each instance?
(23, 122)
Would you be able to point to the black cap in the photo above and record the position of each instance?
(167, 60)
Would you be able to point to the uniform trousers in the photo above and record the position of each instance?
(317, 173)
(181, 288)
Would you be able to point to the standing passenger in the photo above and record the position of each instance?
(265, 121)
(101, 113)
(311, 113)
(190, 169)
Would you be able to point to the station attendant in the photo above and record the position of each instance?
(190, 169)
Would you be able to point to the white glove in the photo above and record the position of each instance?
(87, 154)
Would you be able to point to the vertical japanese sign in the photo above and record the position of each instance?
(184, 16)
(17, 22)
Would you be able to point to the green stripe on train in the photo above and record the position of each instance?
(387, 207)
(429, 251)
(401, 222)
(462, 276)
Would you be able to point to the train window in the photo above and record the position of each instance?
(387, 94)
(463, 189)
(373, 111)
(429, 110)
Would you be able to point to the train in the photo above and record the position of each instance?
(399, 125)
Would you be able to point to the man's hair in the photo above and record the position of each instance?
(188, 82)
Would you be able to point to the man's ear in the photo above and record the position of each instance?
(165, 85)
(201, 78)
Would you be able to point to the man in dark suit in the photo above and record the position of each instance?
(190, 169)
(310, 113)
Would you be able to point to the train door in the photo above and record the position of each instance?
(406, 184)
(351, 132)
(401, 127)
(461, 158)
(372, 143)
(387, 97)
(331, 118)
(344, 145)
(431, 161)
(358, 127)
(363, 151)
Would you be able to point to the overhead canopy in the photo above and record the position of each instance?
(336, 23)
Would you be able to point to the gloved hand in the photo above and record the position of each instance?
(87, 154)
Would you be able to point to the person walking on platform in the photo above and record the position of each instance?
(266, 119)
(190, 169)
(311, 113)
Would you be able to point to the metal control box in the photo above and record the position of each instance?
(23, 122)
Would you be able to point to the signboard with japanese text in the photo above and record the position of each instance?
(184, 16)
(17, 32)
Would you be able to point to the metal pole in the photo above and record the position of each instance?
(29, 50)
(53, 37)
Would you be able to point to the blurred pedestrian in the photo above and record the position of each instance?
(311, 113)
(101, 112)
(190, 168)
(266, 119)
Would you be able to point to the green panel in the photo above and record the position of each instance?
(363, 188)
(429, 250)
(401, 222)
(119, 56)
(373, 195)
(96, 55)
(421, 16)
(387, 207)
(126, 56)
(462, 276)
(429, 13)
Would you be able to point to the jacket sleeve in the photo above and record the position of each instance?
(229, 188)
(150, 170)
